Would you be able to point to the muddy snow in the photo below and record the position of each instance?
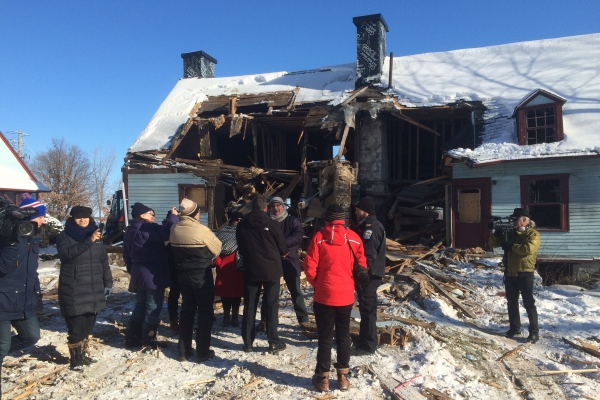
(458, 359)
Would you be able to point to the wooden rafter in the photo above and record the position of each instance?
(401, 116)
(180, 135)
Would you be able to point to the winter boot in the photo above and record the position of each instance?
(87, 360)
(234, 316)
(321, 381)
(149, 337)
(133, 335)
(174, 325)
(225, 322)
(76, 356)
(342, 381)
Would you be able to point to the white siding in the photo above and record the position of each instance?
(583, 239)
(160, 191)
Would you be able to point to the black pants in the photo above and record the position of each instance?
(198, 295)
(230, 303)
(293, 285)
(80, 327)
(174, 293)
(367, 305)
(271, 317)
(327, 318)
(522, 283)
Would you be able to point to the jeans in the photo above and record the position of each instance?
(198, 293)
(367, 305)
(28, 333)
(80, 327)
(148, 305)
(327, 318)
(513, 285)
(271, 301)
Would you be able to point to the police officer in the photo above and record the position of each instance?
(372, 233)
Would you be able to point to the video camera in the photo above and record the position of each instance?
(12, 224)
(502, 223)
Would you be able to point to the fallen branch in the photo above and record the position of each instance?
(513, 352)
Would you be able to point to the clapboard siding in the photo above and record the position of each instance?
(160, 191)
(583, 238)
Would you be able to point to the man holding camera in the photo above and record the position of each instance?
(520, 245)
(20, 294)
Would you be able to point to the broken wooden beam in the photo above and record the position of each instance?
(513, 352)
(585, 349)
(452, 299)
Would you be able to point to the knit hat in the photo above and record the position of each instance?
(520, 212)
(367, 205)
(81, 212)
(277, 200)
(138, 209)
(236, 215)
(29, 203)
(188, 207)
(334, 212)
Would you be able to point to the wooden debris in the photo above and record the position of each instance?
(398, 393)
(579, 361)
(326, 397)
(454, 301)
(254, 382)
(202, 381)
(513, 352)
(571, 371)
(492, 384)
(408, 321)
(434, 394)
(584, 347)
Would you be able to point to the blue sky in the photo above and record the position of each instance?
(94, 72)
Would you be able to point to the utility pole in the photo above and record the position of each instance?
(19, 142)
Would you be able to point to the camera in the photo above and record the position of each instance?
(502, 223)
(12, 224)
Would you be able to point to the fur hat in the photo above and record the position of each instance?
(367, 205)
(138, 209)
(188, 207)
(35, 204)
(81, 212)
(334, 212)
(520, 212)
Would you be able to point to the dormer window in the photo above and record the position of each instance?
(539, 118)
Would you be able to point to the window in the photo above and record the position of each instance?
(547, 198)
(539, 118)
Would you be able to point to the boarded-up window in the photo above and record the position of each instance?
(469, 205)
(196, 193)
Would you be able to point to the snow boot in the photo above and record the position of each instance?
(321, 381)
(87, 360)
(133, 335)
(234, 316)
(76, 356)
(149, 337)
(342, 380)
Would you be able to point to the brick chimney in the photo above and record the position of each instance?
(198, 65)
(370, 48)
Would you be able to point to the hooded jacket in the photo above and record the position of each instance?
(193, 246)
(145, 253)
(261, 245)
(523, 255)
(19, 279)
(329, 262)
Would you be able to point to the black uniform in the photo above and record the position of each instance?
(372, 233)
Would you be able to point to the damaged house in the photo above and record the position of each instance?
(441, 141)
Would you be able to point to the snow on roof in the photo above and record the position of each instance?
(498, 76)
(14, 175)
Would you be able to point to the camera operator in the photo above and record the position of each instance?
(520, 246)
(20, 294)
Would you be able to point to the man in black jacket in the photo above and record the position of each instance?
(372, 233)
(262, 246)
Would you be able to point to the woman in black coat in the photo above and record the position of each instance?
(85, 281)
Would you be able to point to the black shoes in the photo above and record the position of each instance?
(260, 327)
(276, 347)
(247, 349)
(358, 351)
(205, 357)
(132, 343)
(533, 338)
(512, 333)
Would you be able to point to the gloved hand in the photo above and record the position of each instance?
(39, 307)
(107, 292)
(499, 232)
(506, 246)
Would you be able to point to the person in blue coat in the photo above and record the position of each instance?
(145, 255)
(20, 294)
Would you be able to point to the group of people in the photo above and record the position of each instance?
(251, 254)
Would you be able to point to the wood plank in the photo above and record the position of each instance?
(354, 95)
(398, 392)
(429, 325)
(342, 143)
(454, 301)
(291, 186)
(588, 350)
(398, 114)
(184, 130)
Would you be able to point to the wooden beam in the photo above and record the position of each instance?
(254, 142)
(177, 142)
(585, 349)
(354, 95)
(398, 114)
(342, 143)
(291, 186)
(452, 299)
(232, 107)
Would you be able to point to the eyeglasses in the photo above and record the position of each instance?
(150, 213)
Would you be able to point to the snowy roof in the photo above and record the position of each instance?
(498, 76)
(14, 174)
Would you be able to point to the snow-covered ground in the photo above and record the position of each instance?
(459, 362)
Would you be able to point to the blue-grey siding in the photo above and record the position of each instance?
(160, 191)
(583, 238)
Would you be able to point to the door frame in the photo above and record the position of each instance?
(485, 185)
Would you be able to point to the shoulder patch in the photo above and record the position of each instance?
(367, 234)
(266, 228)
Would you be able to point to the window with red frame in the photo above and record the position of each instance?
(539, 118)
(547, 198)
(541, 125)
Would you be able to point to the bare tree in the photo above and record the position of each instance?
(65, 169)
(102, 164)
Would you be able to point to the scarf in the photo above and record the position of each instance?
(78, 233)
(227, 237)
(279, 217)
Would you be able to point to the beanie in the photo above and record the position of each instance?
(367, 205)
(277, 200)
(33, 204)
(138, 209)
(188, 207)
(334, 212)
(236, 215)
(81, 212)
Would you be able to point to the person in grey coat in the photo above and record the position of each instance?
(84, 283)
